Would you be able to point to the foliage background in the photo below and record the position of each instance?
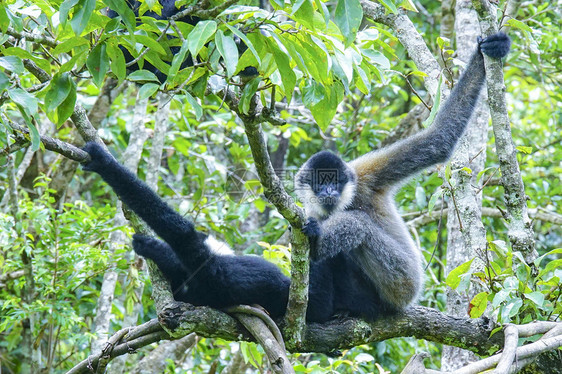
(348, 93)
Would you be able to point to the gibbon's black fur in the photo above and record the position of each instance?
(364, 263)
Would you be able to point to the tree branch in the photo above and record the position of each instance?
(52, 144)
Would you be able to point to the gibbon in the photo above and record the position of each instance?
(363, 261)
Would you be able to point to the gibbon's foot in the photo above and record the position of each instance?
(142, 245)
(99, 157)
(496, 46)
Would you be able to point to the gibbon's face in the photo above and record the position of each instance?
(325, 184)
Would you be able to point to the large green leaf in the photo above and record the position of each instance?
(246, 41)
(142, 76)
(4, 19)
(12, 63)
(117, 60)
(150, 43)
(60, 98)
(348, 17)
(4, 81)
(288, 76)
(82, 13)
(24, 99)
(98, 63)
(454, 278)
(126, 13)
(228, 50)
(178, 59)
(147, 90)
(247, 94)
(323, 101)
(201, 33)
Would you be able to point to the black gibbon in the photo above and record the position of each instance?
(364, 263)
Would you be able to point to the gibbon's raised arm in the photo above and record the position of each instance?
(166, 222)
(392, 164)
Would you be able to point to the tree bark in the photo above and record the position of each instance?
(466, 239)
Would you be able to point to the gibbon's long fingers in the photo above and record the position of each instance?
(393, 164)
(166, 222)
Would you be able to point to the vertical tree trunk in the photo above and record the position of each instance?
(118, 238)
(466, 239)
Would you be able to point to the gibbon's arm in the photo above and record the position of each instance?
(165, 221)
(341, 231)
(436, 144)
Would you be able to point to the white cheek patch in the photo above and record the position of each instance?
(218, 247)
(347, 196)
(310, 201)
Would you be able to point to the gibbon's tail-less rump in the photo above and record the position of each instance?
(364, 263)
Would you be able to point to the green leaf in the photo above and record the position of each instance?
(4, 81)
(526, 150)
(60, 98)
(126, 13)
(82, 13)
(228, 50)
(377, 58)
(178, 59)
(65, 9)
(389, 4)
(246, 41)
(305, 14)
(478, 305)
(24, 99)
(518, 25)
(4, 19)
(151, 44)
(323, 102)
(69, 45)
(147, 90)
(454, 278)
(13, 64)
(117, 60)
(288, 76)
(195, 105)
(434, 198)
(409, 5)
(247, 94)
(348, 17)
(98, 63)
(536, 297)
(34, 133)
(142, 76)
(201, 33)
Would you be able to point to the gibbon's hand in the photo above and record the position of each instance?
(99, 157)
(312, 229)
(496, 46)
